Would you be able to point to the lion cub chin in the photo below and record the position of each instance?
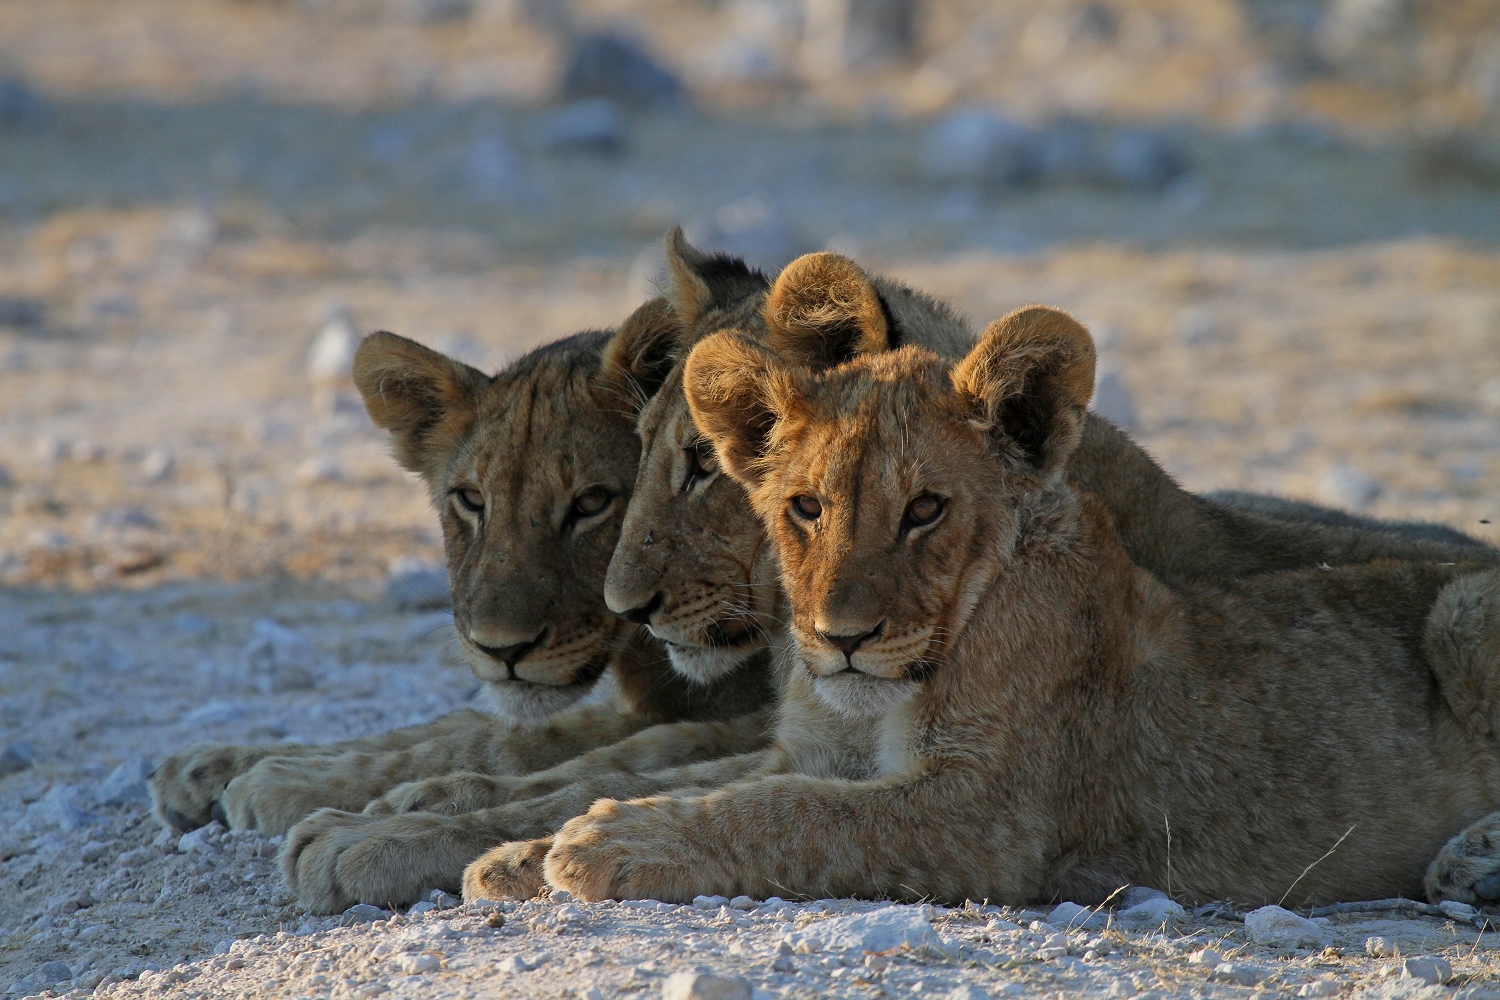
(1305, 736)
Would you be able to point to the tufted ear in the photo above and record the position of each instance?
(702, 281)
(823, 310)
(737, 391)
(639, 356)
(1028, 381)
(425, 399)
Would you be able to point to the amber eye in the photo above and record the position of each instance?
(471, 499)
(924, 510)
(702, 463)
(807, 507)
(591, 501)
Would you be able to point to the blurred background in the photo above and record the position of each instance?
(1280, 218)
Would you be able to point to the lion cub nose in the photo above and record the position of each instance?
(850, 641)
(510, 655)
(642, 615)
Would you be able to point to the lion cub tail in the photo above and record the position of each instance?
(1463, 646)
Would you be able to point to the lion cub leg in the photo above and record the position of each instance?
(1462, 639)
(510, 871)
(1467, 869)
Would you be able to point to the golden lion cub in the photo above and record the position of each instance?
(1042, 709)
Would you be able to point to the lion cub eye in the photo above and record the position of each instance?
(924, 510)
(591, 501)
(471, 499)
(702, 463)
(807, 508)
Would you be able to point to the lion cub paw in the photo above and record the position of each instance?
(510, 871)
(1467, 869)
(630, 850)
(187, 786)
(449, 795)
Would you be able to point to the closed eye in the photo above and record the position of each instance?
(470, 499)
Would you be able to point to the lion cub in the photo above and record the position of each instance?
(530, 471)
(1043, 709)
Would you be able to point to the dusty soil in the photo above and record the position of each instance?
(1310, 311)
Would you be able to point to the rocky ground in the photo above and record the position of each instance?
(191, 236)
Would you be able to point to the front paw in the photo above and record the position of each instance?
(335, 859)
(187, 786)
(510, 871)
(449, 795)
(1467, 869)
(631, 850)
(277, 793)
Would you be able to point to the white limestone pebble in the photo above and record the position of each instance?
(1322, 988)
(1071, 916)
(1427, 969)
(511, 964)
(126, 783)
(742, 903)
(1278, 928)
(1151, 913)
(1380, 947)
(878, 930)
(364, 913)
(417, 964)
(710, 902)
(700, 986)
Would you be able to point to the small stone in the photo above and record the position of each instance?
(1235, 972)
(1138, 894)
(570, 915)
(1151, 913)
(1380, 947)
(1207, 957)
(414, 965)
(1462, 912)
(709, 902)
(203, 840)
(157, 465)
(592, 125)
(1345, 486)
(425, 906)
(513, 963)
(967, 991)
(92, 851)
(17, 756)
(560, 896)
(495, 920)
(445, 900)
(1322, 988)
(1278, 928)
(1071, 916)
(60, 807)
(742, 903)
(127, 783)
(331, 354)
(699, 986)
(1427, 969)
(878, 930)
(364, 913)
(54, 972)
(604, 65)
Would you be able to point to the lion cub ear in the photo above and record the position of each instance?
(426, 400)
(701, 281)
(1029, 380)
(824, 310)
(640, 355)
(737, 391)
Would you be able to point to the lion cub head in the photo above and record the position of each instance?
(530, 471)
(893, 486)
(692, 563)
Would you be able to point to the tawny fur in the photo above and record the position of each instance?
(1056, 706)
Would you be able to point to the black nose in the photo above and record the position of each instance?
(511, 655)
(849, 643)
(642, 615)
